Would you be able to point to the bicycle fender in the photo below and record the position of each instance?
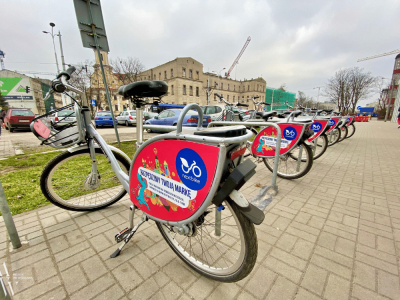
(112, 148)
(240, 175)
(250, 211)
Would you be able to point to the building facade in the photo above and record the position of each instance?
(13, 87)
(187, 83)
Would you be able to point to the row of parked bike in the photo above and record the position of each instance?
(304, 136)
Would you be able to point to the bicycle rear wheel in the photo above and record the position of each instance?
(227, 255)
(64, 181)
(351, 130)
(294, 165)
(321, 144)
(333, 137)
(343, 133)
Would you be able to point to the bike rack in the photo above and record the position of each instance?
(259, 200)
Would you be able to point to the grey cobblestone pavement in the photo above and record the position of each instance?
(334, 234)
(6, 147)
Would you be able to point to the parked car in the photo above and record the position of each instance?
(62, 118)
(170, 117)
(149, 115)
(127, 117)
(214, 111)
(18, 118)
(103, 118)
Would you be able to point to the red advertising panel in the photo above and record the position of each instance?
(171, 179)
(265, 142)
(318, 127)
(333, 123)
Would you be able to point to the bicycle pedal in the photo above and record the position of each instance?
(120, 236)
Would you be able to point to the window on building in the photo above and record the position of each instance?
(228, 87)
(102, 58)
(222, 95)
(172, 89)
(184, 89)
(257, 87)
(233, 98)
(172, 73)
(247, 98)
(242, 98)
(155, 77)
(115, 97)
(234, 87)
(190, 91)
(222, 85)
(165, 74)
(183, 72)
(159, 76)
(116, 107)
(215, 97)
(190, 74)
(184, 103)
(227, 97)
(248, 88)
(197, 92)
(149, 78)
(197, 75)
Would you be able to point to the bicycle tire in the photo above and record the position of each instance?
(333, 137)
(284, 159)
(343, 133)
(351, 131)
(324, 145)
(247, 238)
(77, 197)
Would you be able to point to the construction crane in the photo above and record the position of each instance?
(380, 55)
(237, 58)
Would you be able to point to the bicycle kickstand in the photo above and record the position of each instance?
(126, 234)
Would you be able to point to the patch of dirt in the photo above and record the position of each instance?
(11, 169)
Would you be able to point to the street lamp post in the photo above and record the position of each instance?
(318, 87)
(54, 46)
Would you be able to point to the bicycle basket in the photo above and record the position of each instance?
(59, 128)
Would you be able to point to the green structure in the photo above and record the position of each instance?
(278, 98)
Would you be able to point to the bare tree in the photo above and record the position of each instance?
(305, 101)
(127, 69)
(348, 86)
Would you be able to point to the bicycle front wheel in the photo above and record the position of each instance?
(225, 252)
(333, 137)
(343, 133)
(65, 181)
(320, 144)
(295, 164)
(351, 130)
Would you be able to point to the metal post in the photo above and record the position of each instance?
(299, 158)
(272, 102)
(54, 46)
(391, 93)
(3, 291)
(62, 53)
(217, 222)
(102, 70)
(8, 220)
(208, 89)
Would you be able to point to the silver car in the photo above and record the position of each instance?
(127, 117)
(63, 118)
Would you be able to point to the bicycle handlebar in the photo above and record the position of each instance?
(67, 73)
(242, 104)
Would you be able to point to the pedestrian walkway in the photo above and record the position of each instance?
(334, 234)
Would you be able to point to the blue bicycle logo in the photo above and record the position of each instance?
(331, 122)
(316, 127)
(289, 133)
(191, 169)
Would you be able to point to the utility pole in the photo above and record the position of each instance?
(62, 53)
(318, 87)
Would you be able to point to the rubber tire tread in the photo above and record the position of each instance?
(251, 246)
(326, 147)
(354, 130)
(305, 171)
(52, 163)
(345, 135)
(336, 140)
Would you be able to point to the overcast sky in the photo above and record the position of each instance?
(297, 43)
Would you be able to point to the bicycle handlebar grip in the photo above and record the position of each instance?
(243, 104)
(218, 95)
(256, 97)
(67, 73)
(266, 103)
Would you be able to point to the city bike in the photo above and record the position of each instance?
(188, 181)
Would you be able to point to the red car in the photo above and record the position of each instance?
(18, 118)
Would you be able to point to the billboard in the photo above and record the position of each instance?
(15, 88)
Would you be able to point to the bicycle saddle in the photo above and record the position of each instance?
(266, 115)
(141, 89)
(223, 132)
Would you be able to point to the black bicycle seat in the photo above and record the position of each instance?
(266, 114)
(142, 89)
(223, 132)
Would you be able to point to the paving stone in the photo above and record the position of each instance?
(364, 294)
(314, 279)
(388, 285)
(145, 290)
(260, 282)
(127, 277)
(73, 279)
(38, 289)
(44, 269)
(179, 273)
(337, 288)
(303, 294)
(282, 269)
(95, 288)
